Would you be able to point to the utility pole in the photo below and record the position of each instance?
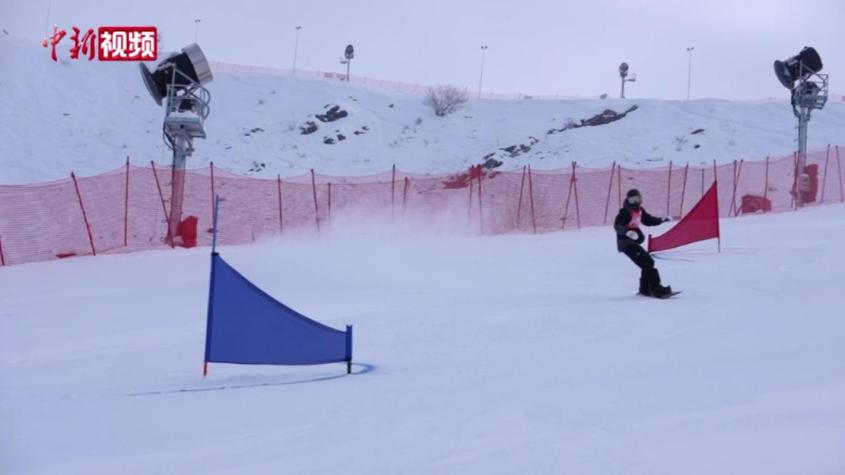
(296, 47)
(481, 76)
(689, 70)
(196, 28)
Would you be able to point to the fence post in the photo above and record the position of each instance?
(669, 188)
(84, 214)
(766, 185)
(609, 187)
(619, 182)
(519, 202)
(279, 192)
(211, 167)
(329, 211)
(392, 193)
(794, 179)
(405, 195)
(314, 193)
(839, 169)
(531, 200)
(566, 207)
(480, 207)
(683, 191)
(469, 206)
(736, 184)
(126, 207)
(824, 179)
(577, 208)
(732, 209)
(169, 236)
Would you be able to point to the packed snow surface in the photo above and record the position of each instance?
(506, 354)
(88, 117)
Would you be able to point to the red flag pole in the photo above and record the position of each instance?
(609, 187)
(519, 202)
(84, 214)
(329, 215)
(733, 195)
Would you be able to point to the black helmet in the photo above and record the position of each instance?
(634, 198)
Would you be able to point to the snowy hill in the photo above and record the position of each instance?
(88, 116)
(539, 359)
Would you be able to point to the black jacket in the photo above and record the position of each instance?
(620, 224)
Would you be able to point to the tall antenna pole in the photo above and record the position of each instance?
(481, 76)
(689, 70)
(296, 46)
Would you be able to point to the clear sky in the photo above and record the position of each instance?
(535, 46)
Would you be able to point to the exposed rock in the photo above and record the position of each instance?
(309, 128)
(696, 131)
(334, 113)
(491, 163)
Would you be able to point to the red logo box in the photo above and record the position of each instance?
(127, 43)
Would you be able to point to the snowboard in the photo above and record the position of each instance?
(667, 296)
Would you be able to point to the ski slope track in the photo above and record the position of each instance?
(87, 117)
(505, 354)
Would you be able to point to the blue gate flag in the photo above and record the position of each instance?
(248, 326)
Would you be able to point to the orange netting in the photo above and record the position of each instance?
(126, 210)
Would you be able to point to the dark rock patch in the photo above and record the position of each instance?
(309, 128)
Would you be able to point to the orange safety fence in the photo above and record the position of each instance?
(127, 209)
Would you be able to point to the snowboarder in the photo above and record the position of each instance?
(628, 240)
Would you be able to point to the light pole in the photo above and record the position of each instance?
(481, 76)
(348, 54)
(296, 47)
(196, 28)
(689, 70)
(623, 75)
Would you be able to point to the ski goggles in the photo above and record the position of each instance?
(635, 200)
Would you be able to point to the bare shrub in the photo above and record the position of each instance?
(445, 99)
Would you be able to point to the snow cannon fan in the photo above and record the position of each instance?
(808, 90)
(179, 80)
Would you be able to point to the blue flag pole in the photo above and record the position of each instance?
(211, 286)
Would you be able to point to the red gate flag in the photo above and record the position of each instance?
(701, 223)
